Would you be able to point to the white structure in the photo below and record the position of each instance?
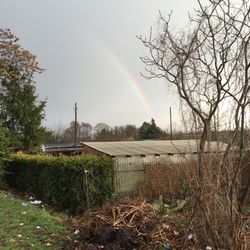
(131, 156)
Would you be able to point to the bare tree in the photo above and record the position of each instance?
(85, 131)
(56, 134)
(209, 66)
(69, 132)
(101, 132)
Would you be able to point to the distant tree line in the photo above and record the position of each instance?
(147, 131)
(103, 132)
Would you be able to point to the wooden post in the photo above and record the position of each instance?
(75, 124)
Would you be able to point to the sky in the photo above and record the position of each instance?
(92, 56)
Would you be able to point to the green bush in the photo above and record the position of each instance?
(4, 152)
(73, 183)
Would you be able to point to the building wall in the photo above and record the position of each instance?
(129, 172)
(89, 150)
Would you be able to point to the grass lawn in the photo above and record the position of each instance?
(27, 226)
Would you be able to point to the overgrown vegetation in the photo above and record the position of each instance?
(25, 226)
(74, 183)
(208, 64)
(174, 180)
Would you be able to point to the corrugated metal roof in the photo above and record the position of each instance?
(151, 147)
(62, 147)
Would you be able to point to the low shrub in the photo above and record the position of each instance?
(4, 153)
(74, 183)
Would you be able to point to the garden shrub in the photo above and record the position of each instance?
(74, 183)
(4, 152)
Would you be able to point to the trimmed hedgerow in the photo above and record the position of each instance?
(74, 183)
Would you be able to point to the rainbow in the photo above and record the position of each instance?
(128, 75)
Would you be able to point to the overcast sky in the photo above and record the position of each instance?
(92, 56)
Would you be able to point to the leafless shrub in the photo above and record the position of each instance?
(167, 179)
(209, 66)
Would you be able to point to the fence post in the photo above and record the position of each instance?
(86, 189)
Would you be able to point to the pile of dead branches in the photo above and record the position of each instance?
(138, 219)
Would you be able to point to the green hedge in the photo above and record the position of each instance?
(63, 181)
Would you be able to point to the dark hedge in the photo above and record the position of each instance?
(73, 183)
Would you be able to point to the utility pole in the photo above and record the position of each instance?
(75, 123)
(171, 128)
